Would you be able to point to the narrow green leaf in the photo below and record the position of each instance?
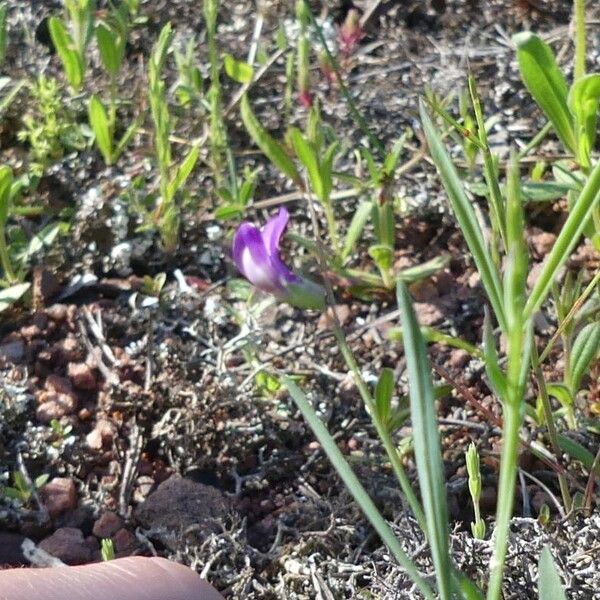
(492, 368)
(359, 220)
(382, 255)
(183, 172)
(585, 349)
(229, 211)
(384, 391)
(271, 148)
(549, 583)
(570, 233)
(101, 128)
(127, 136)
(70, 58)
(111, 47)
(576, 451)
(6, 182)
(10, 295)
(238, 70)
(308, 157)
(426, 436)
(424, 270)
(465, 215)
(583, 99)
(546, 83)
(354, 486)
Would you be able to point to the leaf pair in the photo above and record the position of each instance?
(103, 127)
(573, 113)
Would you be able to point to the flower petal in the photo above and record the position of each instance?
(243, 237)
(252, 260)
(273, 230)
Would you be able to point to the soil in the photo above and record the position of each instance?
(165, 444)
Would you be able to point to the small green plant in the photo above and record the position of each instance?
(189, 89)
(217, 131)
(50, 128)
(571, 110)
(61, 432)
(472, 461)
(107, 549)
(111, 35)
(71, 37)
(171, 178)
(21, 490)
(237, 198)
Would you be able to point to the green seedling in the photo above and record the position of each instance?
(473, 470)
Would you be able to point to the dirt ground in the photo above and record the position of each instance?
(166, 444)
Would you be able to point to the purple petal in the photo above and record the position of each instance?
(273, 230)
(252, 260)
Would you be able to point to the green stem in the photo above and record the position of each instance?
(579, 39)
(5, 258)
(570, 315)
(536, 140)
(552, 433)
(360, 120)
(506, 493)
(332, 226)
(382, 432)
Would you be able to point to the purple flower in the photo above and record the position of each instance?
(256, 255)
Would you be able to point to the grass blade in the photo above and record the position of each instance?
(569, 235)
(272, 149)
(466, 217)
(354, 486)
(427, 442)
(549, 584)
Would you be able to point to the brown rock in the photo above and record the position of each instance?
(82, 376)
(66, 351)
(179, 503)
(107, 525)
(542, 243)
(57, 384)
(59, 496)
(102, 434)
(68, 544)
(342, 312)
(423, 291)
(428, 314)
(54, 406)
(124, 542)
(30, 332)
(57, 312)
(459, 358)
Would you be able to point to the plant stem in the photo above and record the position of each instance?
(5, 258)
(360, 120)
(332, 226)
(552, 434)
(570, 315)
(579, 39)
(363, 388)
(382, 432)
(506, 493)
